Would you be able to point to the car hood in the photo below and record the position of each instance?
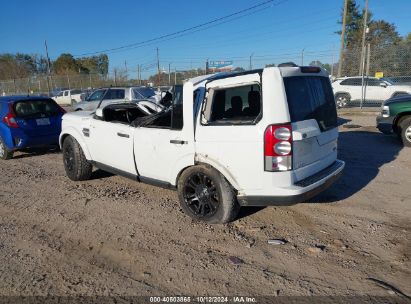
(398, 99)
(77, 115)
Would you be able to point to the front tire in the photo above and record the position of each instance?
(5, 153)
(405, 132)
(205, 195)
(75, 163)
(342, 100)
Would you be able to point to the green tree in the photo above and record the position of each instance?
(381, 35)
(64, 64)
(102, 64)
(353, 23)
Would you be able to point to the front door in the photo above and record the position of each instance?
(165, 146)
(111, 144)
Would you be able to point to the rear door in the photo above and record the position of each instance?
(229, 134)
(314, 122)
(38, 117)
(375, 93)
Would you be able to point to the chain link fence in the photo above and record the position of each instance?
(368, 76)
(44, 84)
(373, 74)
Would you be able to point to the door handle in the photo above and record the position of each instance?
(178, 142)
(123, 135)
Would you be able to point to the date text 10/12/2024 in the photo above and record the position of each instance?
(205, 299)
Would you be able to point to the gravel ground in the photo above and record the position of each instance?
(113, 236)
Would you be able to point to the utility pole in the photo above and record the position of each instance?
(340, 62)
(364, 32)
(169, 73)
(138, 74)
(251, 63)
(48, 66)
(368, 59)
(125, 65)
(158, 68)
(68, 79)
(206, 67)
(175, 76)
(141, 77)
(302, 57)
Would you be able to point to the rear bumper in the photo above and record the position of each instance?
(384, 124)
(22, 141)
(302, 191)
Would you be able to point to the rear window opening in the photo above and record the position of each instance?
(311, 97)
(36, 108)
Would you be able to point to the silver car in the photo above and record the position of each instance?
(116, 95)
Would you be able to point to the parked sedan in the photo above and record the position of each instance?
(116, 95)
(28, 122)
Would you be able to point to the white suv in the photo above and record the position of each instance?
(263, 137)
(348, 90)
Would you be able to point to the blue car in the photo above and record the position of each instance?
(28, 122)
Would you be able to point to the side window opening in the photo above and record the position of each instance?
(235, 105)
(171, 117)
(121, 114)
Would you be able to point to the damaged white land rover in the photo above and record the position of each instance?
(258, 138)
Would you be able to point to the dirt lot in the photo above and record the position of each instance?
(113, 236)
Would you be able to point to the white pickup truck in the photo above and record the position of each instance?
(68, 97)
(258, 138)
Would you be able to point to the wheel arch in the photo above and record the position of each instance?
(216, 167)
(76, 135)
(342, 93)
(400, 117)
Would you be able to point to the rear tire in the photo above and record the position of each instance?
(205, 195)
(75, 163)
(5, 153)
(405, 132)
(342, 100)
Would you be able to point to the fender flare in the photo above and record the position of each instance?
(201, 160)
(77, 136)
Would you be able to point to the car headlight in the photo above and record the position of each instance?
(385, 111)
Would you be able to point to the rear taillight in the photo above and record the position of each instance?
(10, 118)
(278, 148)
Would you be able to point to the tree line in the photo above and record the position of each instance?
(20, 65)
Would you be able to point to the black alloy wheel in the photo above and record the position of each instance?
(201, 195)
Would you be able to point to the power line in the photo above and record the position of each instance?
(185, 30)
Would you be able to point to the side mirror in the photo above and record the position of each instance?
(99, 113)
(382, 84)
